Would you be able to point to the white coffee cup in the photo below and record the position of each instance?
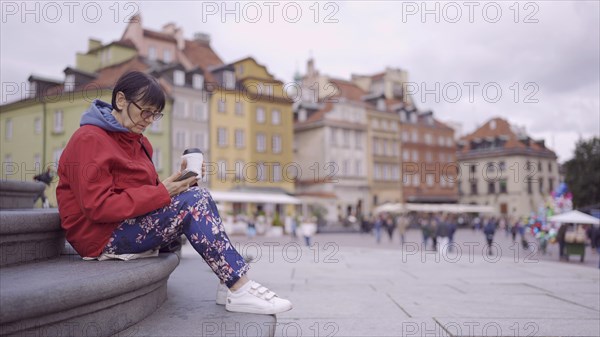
(194, 159)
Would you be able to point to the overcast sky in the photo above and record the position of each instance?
(546, 64)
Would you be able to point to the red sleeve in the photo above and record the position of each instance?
(93, 187)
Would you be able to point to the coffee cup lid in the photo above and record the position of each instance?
(192, 150)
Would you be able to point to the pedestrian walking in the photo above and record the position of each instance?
(489, 230)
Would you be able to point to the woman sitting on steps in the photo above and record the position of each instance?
(111, 201)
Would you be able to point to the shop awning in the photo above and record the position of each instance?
(254, 197)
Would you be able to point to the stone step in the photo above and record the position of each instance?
(68, 296)
(29, 235)
(19, 194)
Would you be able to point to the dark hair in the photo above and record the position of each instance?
(139, 87)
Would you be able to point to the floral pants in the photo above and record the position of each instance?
(193, 213)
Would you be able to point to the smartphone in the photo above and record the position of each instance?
(186, 174)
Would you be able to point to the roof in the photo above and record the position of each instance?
(159, 36)
(348, 90)
(499, 127)
(202, 55)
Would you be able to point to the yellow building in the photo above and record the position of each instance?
(251, 128)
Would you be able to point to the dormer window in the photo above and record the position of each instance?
(32, 89)
(229, 80)
(430, 120)
(302, 115)
(413, 118)
(179, 77)
(69, 82)
(380, 104)
(197, 81)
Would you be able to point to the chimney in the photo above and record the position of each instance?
(169, 28)
(93, 44)
(310, 68)
(202, 38)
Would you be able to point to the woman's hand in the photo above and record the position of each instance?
(176, 187)
(184, 166)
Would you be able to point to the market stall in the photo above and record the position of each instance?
(575, 238)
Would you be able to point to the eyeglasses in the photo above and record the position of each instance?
(147, 113)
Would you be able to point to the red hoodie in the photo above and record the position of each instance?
(105, 178)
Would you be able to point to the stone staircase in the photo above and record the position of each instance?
(46, 289)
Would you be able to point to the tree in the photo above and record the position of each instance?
(583, 173)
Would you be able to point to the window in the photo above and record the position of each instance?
(8, 131)
(529, 187)
(69, 84)
(221, 105)
(415, 155)
(415, 136)
(276, 172)
(37, 160)
(58, 121)
(358, 168)
(260, 115)
(377, 169)
(37, 125)
(180, 139)
(428, 157)
(261, 142)
(240, 69)
(549, 167)
(541, 181)
(346, 134)
(413, 118)
(333, 136)
(152, 53)
(167, 56)
(381, 104)
(275, 117)
(199, 112)
(550, 185)
(222, 169)
(239, 108)
(180, 108)
(503, 186)
(406, 155)
(276, 144)
(358, 140)
(222, 137)
(197, 81)
(473, 187)
(416, 180)
(502, 166)
(491, 187)
(179, 78)
(261, 172)
(405, 136)
(429, 180)
(199, 141)
(239, 138)
(441, 141)
(539, 166)
(269, 89)
(395, 173)
(449, 142)
(229, 80)
(346, 168)
(403, 117)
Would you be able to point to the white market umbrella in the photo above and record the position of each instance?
(576, 217)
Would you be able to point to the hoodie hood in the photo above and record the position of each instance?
(99, 114)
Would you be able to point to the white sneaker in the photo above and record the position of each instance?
(222, 293)
(256, 299)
